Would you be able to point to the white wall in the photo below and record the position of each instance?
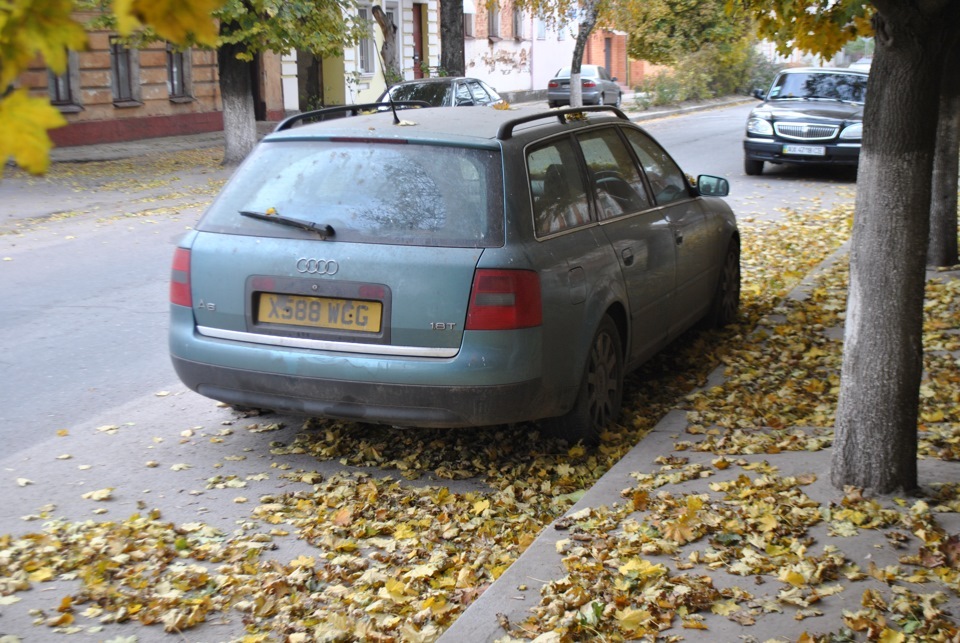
(518, 65)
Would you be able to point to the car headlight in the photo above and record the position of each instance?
(760, 127)
(854, 131)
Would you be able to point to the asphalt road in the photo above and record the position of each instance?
(84, 315)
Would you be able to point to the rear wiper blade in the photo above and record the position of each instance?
(324, 230)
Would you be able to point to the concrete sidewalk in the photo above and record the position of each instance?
(527, 601)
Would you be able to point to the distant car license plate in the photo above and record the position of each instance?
(320, 312)
(806, 150)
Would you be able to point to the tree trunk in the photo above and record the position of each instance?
(946, 167)
(452, 60)
(875, 445)
(392, 73)
(236, 92)
(583, 35)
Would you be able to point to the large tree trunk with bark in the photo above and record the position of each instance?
(946, 166)
(236, 92)
(587, 24)
(451, 38)
(875, 444)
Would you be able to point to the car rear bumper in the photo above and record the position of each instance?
(396, 404)
(589, 97)
(494, 379)
(772, 151)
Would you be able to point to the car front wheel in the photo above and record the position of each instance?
(600, 99)
(752, 167)
(619, 99)
(601, 390)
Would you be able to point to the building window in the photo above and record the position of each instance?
(65, 88)
(178, 74)
(468, 25)
(541, 29)
(124, 74)
(493, 21)
(517, 24)
(366, 52)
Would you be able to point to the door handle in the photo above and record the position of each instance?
(627, 254)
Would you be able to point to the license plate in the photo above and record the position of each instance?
(806, 150)
(320, 312)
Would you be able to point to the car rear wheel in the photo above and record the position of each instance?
(752, 167)
(553, 103)
(726, 298)
(601, 390)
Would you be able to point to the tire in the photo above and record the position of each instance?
(600, 99)
(725, 304)
(752, 167)
(601, 390)
(553, 103)
(619, 99)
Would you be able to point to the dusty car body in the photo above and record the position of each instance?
(447, 268)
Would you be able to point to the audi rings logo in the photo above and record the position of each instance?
(317, 266)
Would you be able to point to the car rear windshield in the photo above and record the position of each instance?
(848, 87)
(368, 192)
(586, 71)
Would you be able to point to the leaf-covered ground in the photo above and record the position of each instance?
(393, 553)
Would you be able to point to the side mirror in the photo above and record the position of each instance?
(708, 185)
(613, 78)
(758, 94)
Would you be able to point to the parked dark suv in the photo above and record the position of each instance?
(809, 116)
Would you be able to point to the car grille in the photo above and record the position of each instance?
(806, 131)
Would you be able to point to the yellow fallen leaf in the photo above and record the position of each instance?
(98, 495)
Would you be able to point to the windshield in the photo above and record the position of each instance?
(847, 87)
(437, 94)
(367, 192)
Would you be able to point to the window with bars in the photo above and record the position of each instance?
(64, 88)
(124, 74)
(517, 24)
(493, 21)
(178, 73)
(366, 52)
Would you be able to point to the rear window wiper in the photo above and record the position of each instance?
(324, 230)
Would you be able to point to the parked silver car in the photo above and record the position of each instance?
(596, 84)
(456, 267)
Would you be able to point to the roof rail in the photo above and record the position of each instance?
(506, 130)
(344, 110)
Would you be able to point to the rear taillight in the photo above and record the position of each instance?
(553, 84)
(504, 300)
(180, 279)
(588, 83)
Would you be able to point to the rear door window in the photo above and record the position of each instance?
(556, 184)
(368, 192)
